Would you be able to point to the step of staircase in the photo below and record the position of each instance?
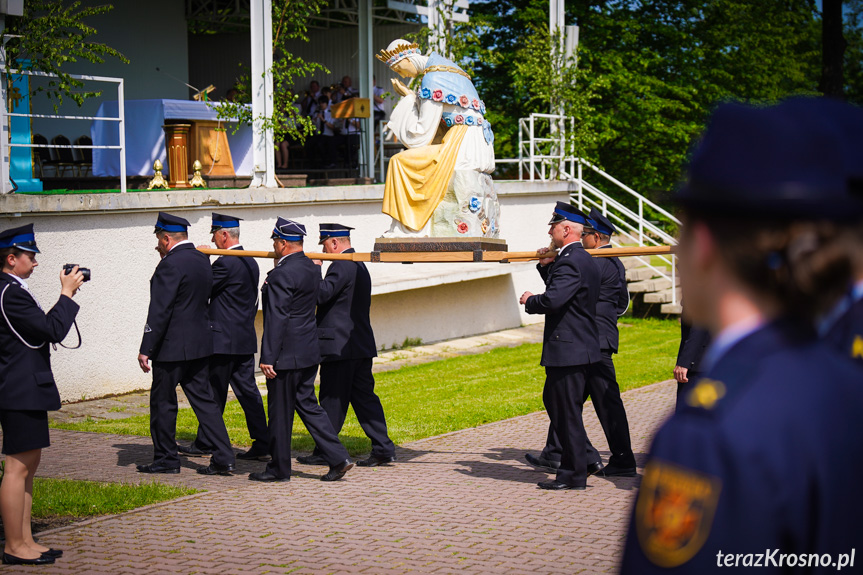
(664, 296)
(671, 308)
(651, 285)
(643, 273)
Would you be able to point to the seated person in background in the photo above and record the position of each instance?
(378, 98)
(348, 87)
(310, 100)
(339, 94)
(325, 148)
(231, 95)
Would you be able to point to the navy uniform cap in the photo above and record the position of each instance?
(766, 163)
(222, 221)
(288, 230)
(334, 231)
(600, 223)
(846, 122)
(566, 211)
(22, 238)
(169, 223)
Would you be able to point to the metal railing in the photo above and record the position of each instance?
(120, 119)
(548, 157)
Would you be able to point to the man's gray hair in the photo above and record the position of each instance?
(233, 232)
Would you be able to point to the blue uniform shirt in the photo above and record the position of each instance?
(764, 462)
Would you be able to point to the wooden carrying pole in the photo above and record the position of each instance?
(442, 257)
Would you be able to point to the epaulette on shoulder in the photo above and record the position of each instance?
(706, 394)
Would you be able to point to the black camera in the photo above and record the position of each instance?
(67, 269)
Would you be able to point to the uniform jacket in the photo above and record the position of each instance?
(613, 300)
(693, 343)
(846, 334)
(234, 305)
(289, 296)
(178, 325)
(569, 305)
(26, 381)
(344, 300)
(752, 466)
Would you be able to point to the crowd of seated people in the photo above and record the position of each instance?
(336, 141)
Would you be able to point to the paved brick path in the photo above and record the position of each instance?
(460, 503)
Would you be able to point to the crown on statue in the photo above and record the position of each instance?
(400, 52)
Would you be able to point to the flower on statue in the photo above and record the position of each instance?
(437, 95)
(463, 101)
(462, 227)
(475, 204)
(451, 99)
(448, 122)
(459, 119)
(426, 93)
(475, 104)
(470, 120)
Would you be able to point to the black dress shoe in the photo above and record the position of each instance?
(542, 463)
(41, 560)
(594, 468)
(311, 460)
(558, 486)
(55, 553)
(267, 477)
(255, 454)
(215, 469)
(194, 450)
(615, 471)
(336, 472)
(374, 461)
(157, 468)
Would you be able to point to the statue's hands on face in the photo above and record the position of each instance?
(400, 88)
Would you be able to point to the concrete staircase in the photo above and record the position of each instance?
(650, 291)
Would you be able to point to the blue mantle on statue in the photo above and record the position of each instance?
(145, 139)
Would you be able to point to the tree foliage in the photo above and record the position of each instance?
(649, 72)
(290, 22)
(49, 36)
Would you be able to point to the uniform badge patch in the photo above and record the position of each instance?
(674, 512)
(857, 347)
(706, 393)
(147, 328)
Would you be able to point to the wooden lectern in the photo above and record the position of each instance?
(209, 145)
(351, 108)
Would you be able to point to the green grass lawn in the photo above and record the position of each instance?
(70, 498)
(452, 394)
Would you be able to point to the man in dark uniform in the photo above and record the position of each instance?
(602, 380)
(347, 347)
(693, 343)
(233, 307)
(570, 339)
(290, 357)
(177, 338)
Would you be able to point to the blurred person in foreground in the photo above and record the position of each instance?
(761, 466)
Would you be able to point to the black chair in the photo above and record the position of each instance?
(65, 159)
(42, 156)
(84, 162)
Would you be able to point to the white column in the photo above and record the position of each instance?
(366, 53)
(437, 25)
(263, 151)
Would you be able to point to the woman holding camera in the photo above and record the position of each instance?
(27, 388)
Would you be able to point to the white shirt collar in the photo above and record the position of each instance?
(179, 244)
(729, 337)
(21, 281)
(236, 247)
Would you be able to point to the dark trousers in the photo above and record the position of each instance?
(351, 382)
(238, 372)
(290, 390)
(683, 388)
(602, 387)
(192, 375)
(563, 396)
